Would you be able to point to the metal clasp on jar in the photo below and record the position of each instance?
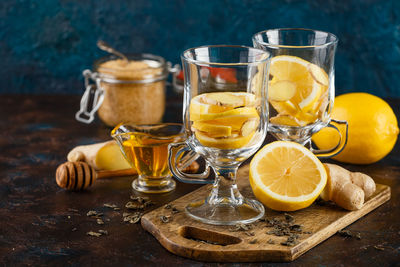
(91, 99)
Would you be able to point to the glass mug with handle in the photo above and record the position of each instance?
(145, 147)
(225, 116)
(301, 86)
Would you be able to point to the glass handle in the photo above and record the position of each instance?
(328, 153)
(176, 157)
(91, 99)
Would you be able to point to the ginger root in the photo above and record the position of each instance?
(101, 156)
(347, 189)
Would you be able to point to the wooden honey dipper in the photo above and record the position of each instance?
(79, 175)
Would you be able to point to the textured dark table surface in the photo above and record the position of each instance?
(41, 224)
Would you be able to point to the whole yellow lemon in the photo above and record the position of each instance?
(372, 131)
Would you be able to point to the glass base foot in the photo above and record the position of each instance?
(154, 187)
(226, 212)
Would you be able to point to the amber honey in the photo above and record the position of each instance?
(146, 148)
(149, 154)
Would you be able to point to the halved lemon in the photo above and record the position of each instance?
(308, 78)
(286, 176)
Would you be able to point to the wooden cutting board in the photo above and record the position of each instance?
(192, 239)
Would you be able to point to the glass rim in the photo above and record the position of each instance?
(256, 62)
(335, 41)
(150, 126)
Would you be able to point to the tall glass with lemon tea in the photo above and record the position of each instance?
(146, 148)
(301, 85)
(225, 115)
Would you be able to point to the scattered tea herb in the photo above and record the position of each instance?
(100, 221)
(296, 227)
(291, 240)
(307, 232)
(134, 205)
(148, 203)
(74, 229)
(111, 206)
(165, 219)
(73, 210)
(250, 233)
(270, 241)
(254, 241)
(93, 213)
(348, 233)
(289, 218)
(132, 217)
(241, 227)
(175, 210)
(379, 247)
(103, 232)
(91, 233)
(286, 227)
(141, 200)
(139, 203)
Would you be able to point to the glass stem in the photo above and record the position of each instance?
(224, 188)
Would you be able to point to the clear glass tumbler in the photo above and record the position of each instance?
(225, 114)
(301, 86)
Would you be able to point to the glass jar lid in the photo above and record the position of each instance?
(140, 68)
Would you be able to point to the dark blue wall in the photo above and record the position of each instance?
(45, 44)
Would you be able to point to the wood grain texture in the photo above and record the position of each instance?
(40, 227)
(183, 235)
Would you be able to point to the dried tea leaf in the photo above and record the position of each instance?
(132, 217)
(250, 233)
(111, 206)
(379, 247)
(148, 203)
(348, 233)
(93, 213)
(74, 229)
(134, 205)
(241, 227)
(358, 236)
(165, 219)
(100, 221)
(141, 200)
(289, 244)
(91, 233)
(296, 228)
(175, 210)
(104, 232)
(289, 218)
(270, 241)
